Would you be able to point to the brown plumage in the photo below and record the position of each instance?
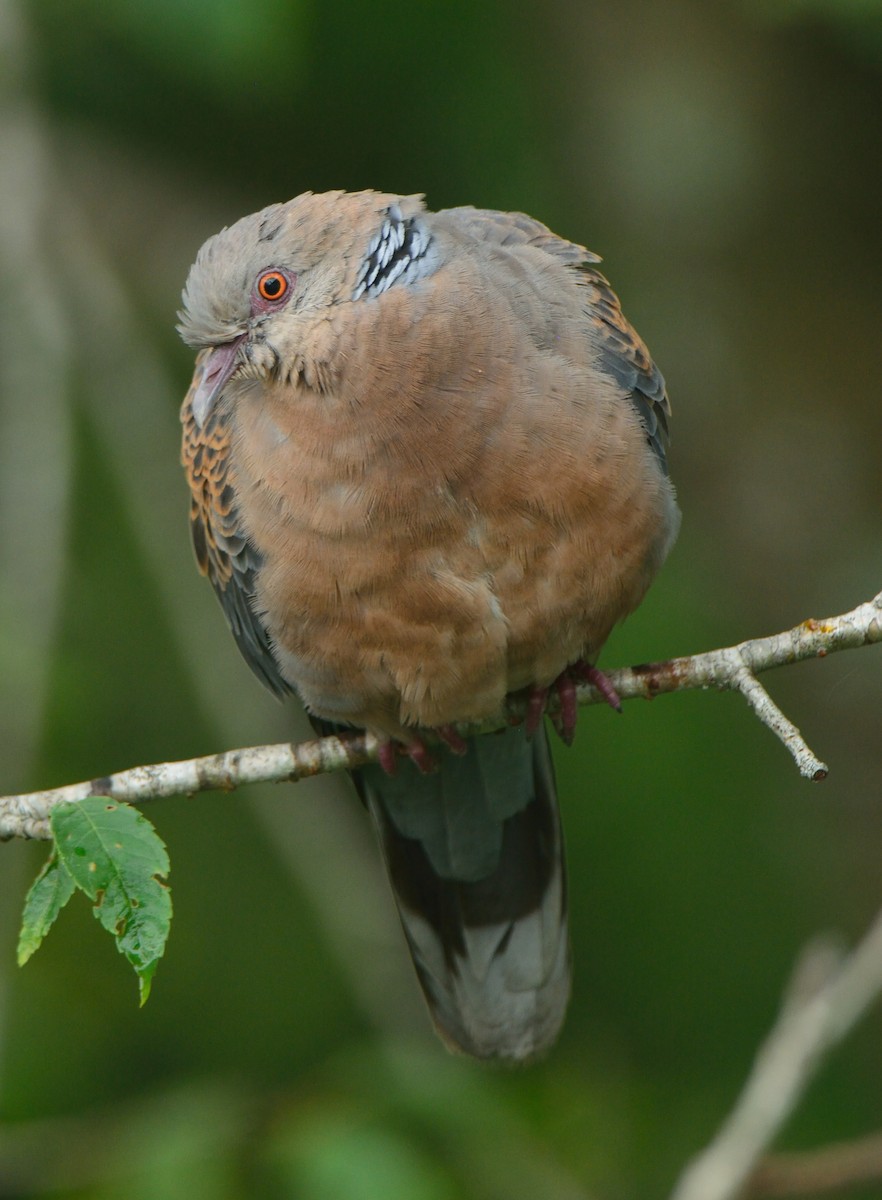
(426, 457)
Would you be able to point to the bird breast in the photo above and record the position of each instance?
(450, 502)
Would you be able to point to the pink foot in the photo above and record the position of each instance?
(565, 687)
(424, 762)
(537, 698)
(564, 721)
(387, 757)
(422, 759)
(596, 677)
(455, 743)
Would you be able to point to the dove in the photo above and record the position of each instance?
(426, 455)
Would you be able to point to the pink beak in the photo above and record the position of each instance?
(216, 370)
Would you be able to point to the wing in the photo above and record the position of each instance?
(223, 551)
(623, 354)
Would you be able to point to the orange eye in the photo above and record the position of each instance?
(272, 285)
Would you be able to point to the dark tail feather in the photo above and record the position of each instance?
(475, 859)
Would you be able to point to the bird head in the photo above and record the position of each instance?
(255, 285)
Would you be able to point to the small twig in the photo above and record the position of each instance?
(810, 766)
(733, 668)
(830, 1169)
(811, 1022)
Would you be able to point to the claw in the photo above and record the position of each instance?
(387, 757)
(424, 761)
(564, 720)
(569, 710)
(537, 698)
(454, 742)
(597, 678)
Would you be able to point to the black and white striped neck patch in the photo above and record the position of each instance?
(397, 253)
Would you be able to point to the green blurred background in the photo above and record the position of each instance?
(725, 160)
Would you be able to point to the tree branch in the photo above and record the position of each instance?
(827, 997)
(831, 1168)
(733, 668)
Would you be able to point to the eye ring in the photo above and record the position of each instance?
(272, 286)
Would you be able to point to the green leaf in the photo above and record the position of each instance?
(117, 858)
(48, 895)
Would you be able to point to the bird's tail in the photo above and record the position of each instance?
(475, 859)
